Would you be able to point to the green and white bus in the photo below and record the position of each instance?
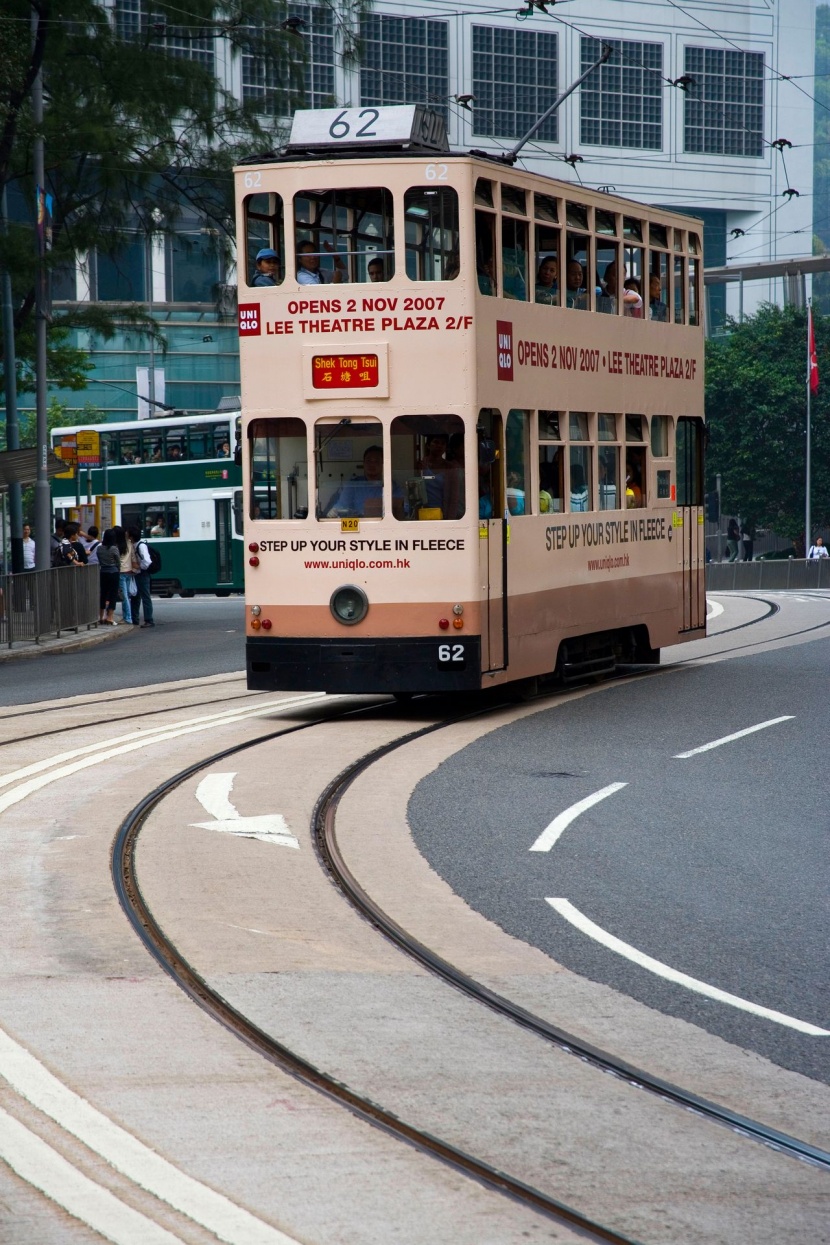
(176, 479)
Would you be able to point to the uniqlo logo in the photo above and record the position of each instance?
(504, 344)
(250, 324)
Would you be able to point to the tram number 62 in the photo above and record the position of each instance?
(451, 657)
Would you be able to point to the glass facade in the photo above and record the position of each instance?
(405, 60)
(277, 86)
(725, 103)
(621, 104)
(515, 76)
(136, 20)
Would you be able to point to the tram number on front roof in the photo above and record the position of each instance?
(452, 657)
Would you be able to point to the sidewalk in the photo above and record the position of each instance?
(65, 643)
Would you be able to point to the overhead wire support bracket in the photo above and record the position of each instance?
(510, 157)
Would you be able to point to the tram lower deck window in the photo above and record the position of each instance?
(428, 467)
(350, 469)
(279, 469)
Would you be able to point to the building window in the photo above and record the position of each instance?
(515, 75)
(622, 101)
(136, 21)
(193, 268)
(279, 85)
(405, 61)
(725, 103)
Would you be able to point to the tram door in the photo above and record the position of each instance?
(689, 447)
(224, 541)
(492, 538)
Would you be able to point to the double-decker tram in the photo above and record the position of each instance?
(472, 424)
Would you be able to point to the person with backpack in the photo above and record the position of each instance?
(142, 579)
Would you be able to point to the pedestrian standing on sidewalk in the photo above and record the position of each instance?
(109, 560)
(126, 568)
(817, 550)
(142, 580)
(733, 533)
(28, 549)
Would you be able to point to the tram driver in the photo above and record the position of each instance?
(362, 497)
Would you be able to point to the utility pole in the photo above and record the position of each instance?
(12, 425)
(43, 507)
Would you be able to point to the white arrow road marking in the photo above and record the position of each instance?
(582, 922)
(728, 739)
(213, 793)
(713, 608)
(551, 833)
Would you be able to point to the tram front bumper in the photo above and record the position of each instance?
(364, 666)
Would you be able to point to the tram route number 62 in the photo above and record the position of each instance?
(451, 657)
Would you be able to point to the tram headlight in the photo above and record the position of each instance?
(349, 605)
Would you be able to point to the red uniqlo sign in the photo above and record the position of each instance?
(250, 324)
(504, 353)
(344, 371)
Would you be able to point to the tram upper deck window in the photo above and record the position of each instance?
(545, 208)
(428, 479)
(514, 199)
(432, 245)
(605, 223)
(486, 252)
(578, 272)
(658, 285)
(514, 258)
(484, 193)
(578, 426)
(549, 426)
(679, 290)
(340, 235)
(658, 236)
(264, 232)
(632, 229)
(634, 428)
(350, 471)
(608, 283)
(634, 294)
(279, 469)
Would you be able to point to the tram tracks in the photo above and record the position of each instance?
(324, 833)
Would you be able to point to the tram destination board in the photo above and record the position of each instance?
(341, 371)
(406, 125)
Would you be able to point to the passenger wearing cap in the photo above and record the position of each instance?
(267, 262)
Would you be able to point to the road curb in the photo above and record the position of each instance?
(98, 635)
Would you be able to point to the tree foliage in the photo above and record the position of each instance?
(756, 403)
(138, 130)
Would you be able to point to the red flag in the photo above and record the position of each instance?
(812, 348)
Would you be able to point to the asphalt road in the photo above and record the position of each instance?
(192, 638)
(715, 865)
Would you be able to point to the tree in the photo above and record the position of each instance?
(138, 130)
(756, 396)
(821, 155)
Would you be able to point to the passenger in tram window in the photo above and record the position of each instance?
(633, 486)
(657, 308)
(607, 294)
(576, 294)
(433, 468)
(375, 270)
(486, 280)
(579, 488)
(547, 280)
(633, 299)
(267, 267)
(515, 494)
(308, 266)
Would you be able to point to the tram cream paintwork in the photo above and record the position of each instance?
(454, 371)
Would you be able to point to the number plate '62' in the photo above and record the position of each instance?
(451, 657)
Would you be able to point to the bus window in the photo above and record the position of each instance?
(514, 258)
(516, 437)
(633, 292)
(339, 233)
(551, 477)
(580, 479)
(547, 283)
(486, 252)
(694, 268)
(658, 285)
(679, 291)
(264, 232)
(431, 215)
(578, 272)
(279, 469)
(158, 519)
(488, 434)
(660, 436)
(348, 454)
(608, 464)
(609, 279)
(427, 467)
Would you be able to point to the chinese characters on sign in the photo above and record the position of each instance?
(341, 371)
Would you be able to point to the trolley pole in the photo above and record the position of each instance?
(510, 157)
(43, 523)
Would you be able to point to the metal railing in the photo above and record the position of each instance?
(796, 574)
(38, 604)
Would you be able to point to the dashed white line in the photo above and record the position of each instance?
(728, 739)
(551, 833)
(587, 926)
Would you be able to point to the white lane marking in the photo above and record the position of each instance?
(41, 1166)
(728, 739)
(713, 609)
(128, 1155)
(213, 793)
(37, 767)
(551, 833)
(583, 923)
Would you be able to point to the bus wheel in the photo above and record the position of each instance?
(187, 592)
(223, 592)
